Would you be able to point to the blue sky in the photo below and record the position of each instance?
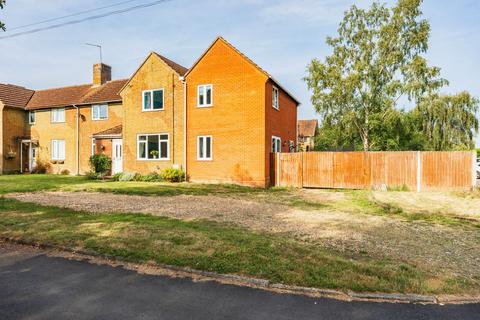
(281, 36)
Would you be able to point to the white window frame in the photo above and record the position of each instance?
(276, 144)
(30, 113)
(151, 100)
(98, 118)
(54, 115)
(275, 98)
(94, 146)
(204, 91)
(204, 148)
(56, 153)
(146, 147)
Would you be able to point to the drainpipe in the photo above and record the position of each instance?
(184, 81)
(77, 145)
(173, 118)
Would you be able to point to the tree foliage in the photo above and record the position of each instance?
(449, 122)
(2, 25)
(378, 60)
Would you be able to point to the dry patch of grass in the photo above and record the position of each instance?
(443, 203)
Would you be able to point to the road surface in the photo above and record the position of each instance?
(36, 286)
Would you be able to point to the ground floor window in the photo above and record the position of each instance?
(153, 146)
(204, 148)
(276, 144)
(58, 149)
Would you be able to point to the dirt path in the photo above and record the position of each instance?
(439, 249)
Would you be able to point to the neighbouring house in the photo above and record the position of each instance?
(218, 120)
(307, 130)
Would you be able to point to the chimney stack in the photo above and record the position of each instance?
(101, 74)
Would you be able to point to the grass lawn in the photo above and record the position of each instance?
(224, 247)
(210, 246)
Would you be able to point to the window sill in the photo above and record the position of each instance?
(276, 108)
(100, 119)
(153, 160)
(205, 106)
(204, 160)
(153, 110)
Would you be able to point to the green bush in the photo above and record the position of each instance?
(173, 175)
(100, 164)
(151, 177)
(92, 175)
(65, 172)
(117, 176)
(127, 176)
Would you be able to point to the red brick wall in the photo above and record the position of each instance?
(280, 123)
(236, 121)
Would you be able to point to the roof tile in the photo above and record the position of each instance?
(14, 96)
(76, 95)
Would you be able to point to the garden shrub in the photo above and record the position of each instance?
(117, 176)
(65, 172)
(151, 177)
(173, 175)
(42, 167)
(92, 175)
(127, 176)
(100, 164)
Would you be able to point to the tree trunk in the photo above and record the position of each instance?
(366, 146)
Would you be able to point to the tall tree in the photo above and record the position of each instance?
(449, 121)
(376, 61)
(2, 25)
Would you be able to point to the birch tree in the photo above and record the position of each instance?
(377, 59)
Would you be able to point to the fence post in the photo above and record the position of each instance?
(419, 171)
(474, 169)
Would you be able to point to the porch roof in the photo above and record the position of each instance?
(114, 132)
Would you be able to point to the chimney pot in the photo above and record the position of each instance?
(101, 74)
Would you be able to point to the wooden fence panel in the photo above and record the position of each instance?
(290, 174)
(446, 170)
(350, 170)
(364, 170)
(393, 169)
(318, 170)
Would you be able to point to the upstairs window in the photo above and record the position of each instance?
(58, 149)
(204, 148)
(153, 146)
(205, 95)
(32, 117)
(276, 144)
(58, 115)
(152, 100)
(275, 98)
(99, 112)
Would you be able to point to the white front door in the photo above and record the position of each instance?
(33, 158)
(117, 164)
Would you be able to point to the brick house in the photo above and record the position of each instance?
(307, 130)
(218, 120)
